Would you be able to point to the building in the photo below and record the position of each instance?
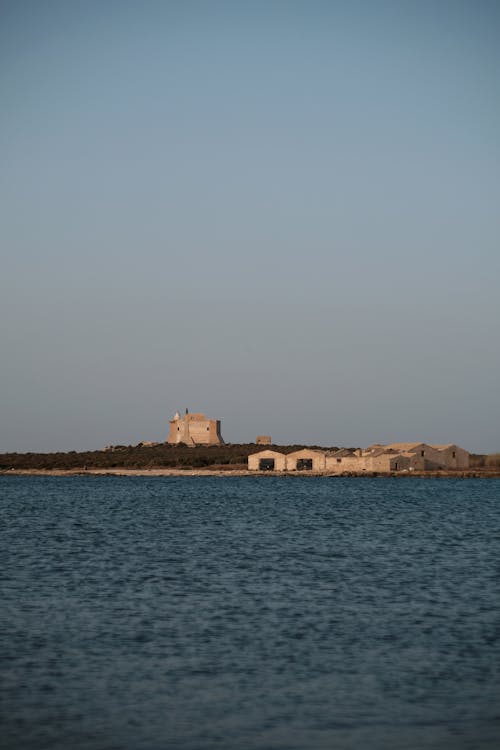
(306, 460)
(377, 458)
(263, 440)
(267, 461)
(432, 457)
(194, 429)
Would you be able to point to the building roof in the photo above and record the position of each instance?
(382, 451)
(404, 446)
(342, 452)
(306, 452)
(267, 453)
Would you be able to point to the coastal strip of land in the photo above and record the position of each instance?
(189, 472)
(228, 460)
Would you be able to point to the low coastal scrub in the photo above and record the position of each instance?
(482, 461)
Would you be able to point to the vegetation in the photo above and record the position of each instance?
(482, 461)
(161, 456)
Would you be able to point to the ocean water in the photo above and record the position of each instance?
(249, 613)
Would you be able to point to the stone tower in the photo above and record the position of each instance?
(194, 429)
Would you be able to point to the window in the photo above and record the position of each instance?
(454, 455)
(266, 464)
(304, 464)
(339, 460)
(422, 453)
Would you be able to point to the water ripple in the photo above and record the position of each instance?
(253, 613)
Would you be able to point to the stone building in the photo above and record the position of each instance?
(194, 429)
(267, 461)
(263, 440)
(377, 458)
(380, 460)
(451, 455)
(306, 460)
(431, 457)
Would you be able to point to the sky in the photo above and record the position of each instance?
(282, 214)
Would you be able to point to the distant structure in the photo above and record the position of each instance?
(263, 440)
(194, 429)
(379, 458)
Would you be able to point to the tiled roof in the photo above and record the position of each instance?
(340, 453)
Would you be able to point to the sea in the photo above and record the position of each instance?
(249, 613)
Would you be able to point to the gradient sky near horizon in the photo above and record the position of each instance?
(283, 214)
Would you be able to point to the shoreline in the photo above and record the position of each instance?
(118, 472)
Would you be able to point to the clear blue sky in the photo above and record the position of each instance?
(284, 214)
